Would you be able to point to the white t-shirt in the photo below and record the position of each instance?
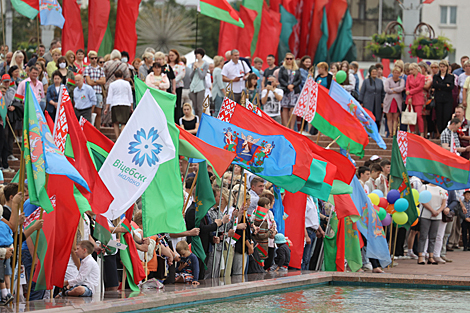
(438, 194)
(119, 93)
(232, 71)
(311, 214)
(272, 107)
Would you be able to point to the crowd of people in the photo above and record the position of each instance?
(244, 203)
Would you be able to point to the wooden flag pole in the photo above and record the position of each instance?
(390, 242)
(30, 282)
(124, 277)
(244, 232)
(190, 191)
(20, 234)
(331, 143)
(13, 132)
(225, 227)
(206, 104)
(243, 99)
(229, 90)
(217, 231)
(318, 137)
(395, 243)
(146, 266)
(3, 23)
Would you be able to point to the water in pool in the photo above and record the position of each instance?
(346, 299)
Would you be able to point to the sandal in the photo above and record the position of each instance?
(433, 262)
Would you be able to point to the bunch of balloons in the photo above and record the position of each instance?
(393, 207)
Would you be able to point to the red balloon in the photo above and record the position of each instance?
(383, 203)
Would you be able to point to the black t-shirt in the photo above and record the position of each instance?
(268, 72)
(6, 212)
(239, 243)
(189, 125)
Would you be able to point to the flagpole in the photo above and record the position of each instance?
(318, 136)
(225, 227)
(320, 256)
(190, 191)
(236, 206)
(197, 25)
(37, 25)
(331, 143)
(20, 235)
(12, 131)
(35, 247)
(3, 23)
(217, 231)
(395, 244)
(244, 221)
(124, 277)
(390, 242)
(186, 172)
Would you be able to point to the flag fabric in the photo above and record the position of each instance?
(61, 129)
(228, 37)
(428, 1)
(269, 34)
(3, 111)
(129, 256)
(261, 212)
(98, 144)
(191, 146)
(98, 195)
(220, 10)
(19, 97)
(399, 180)
(348, 103)
(288, 22)
(245, 34)
(255, 5)
(330, 245)
(344, 206)
(51, 13)
(352, 245)
(57, 234)
(343, 44)
(98, 16)
(204, 201)
(28, 8)
(319, 44)
(41, 154)
(166, 188)
(125, 38)
(264, 156)
(235, 237)
(278, 210)
(433, 163)
(72, 33)
(327, 115)
(336, 11)
(139, 151)
(294, 206)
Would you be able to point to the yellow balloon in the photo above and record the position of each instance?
(419, 212)
(400, 218)
(415, 195)
(374, 198)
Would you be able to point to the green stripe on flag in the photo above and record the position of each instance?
(126, 261)
(437, 168)
(186, 149)
(219, 14)
(42, 249)
(343, 141)
(24, 9)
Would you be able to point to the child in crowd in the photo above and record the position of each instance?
(382, 181)
(282, 259)
(87, 281)
(375, 171)
(466, 221)
(6, 241)
(363, 174)
(261, 221)
(188, 269)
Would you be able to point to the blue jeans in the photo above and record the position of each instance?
(27, 262)
(308, 249)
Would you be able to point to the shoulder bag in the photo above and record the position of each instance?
(409, 116)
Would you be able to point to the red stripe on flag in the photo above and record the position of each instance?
(294, 206)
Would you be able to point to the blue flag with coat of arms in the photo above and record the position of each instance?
(264, 156)
(50, 12)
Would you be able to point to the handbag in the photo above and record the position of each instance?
(447, 218)
(409, 116)
(430, 103)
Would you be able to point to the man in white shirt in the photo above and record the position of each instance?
(257, 188)
(86, 283)
(271, 98)
(364, 175)
(312, 230)
(120, 100)
(236, 71)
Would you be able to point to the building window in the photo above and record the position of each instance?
(449, 15)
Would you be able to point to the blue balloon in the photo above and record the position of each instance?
(401, 205)
(392, 196)
(379, 193)
(425, 196)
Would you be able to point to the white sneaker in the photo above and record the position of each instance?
(12, 158)
(367, 267)
(413, 256)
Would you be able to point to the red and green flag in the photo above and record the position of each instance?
(399, 180)
(129, 256)
(191, 146)
(220, 10)
(99, 32)
(261, 212)
(426, 160)
(334, 244)
(294, 206)
(317, 107)
(28, 8)
(352, 245)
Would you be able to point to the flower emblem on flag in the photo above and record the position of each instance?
(145, 147)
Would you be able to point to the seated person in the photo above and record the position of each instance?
(188, 269)
(87, 281)
(282, 259)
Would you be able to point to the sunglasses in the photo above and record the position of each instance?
(289, 58)
(93, 58)
(101, 62)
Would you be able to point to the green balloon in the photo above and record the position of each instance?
(382, 214)
(341, 77)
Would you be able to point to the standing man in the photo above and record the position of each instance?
(54, 44)
(460, 70)
(94, 76)
(257, 188)
(448, 133)
(36, 85)
(237, 72)
(6, 65)
(271, 59)
(84, 97)
(463, 132)
(364, 174)
(312, 230)
(257, 69)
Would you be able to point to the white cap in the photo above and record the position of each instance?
(374, 157)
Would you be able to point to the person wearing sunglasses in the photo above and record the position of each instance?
(289, 80)
(95, 77)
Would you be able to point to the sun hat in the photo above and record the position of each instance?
(279, 238)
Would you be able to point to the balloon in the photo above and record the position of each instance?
(378, 192)
(374, 198)
(400, 218)
(415, 222)
(341, 77)
(425, 196)
(415, 195)
(401, 205)
(382, 214)
(387, 220)
(383, 203)
(390, 208)
(392, 196)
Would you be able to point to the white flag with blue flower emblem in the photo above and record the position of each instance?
(144, 144)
